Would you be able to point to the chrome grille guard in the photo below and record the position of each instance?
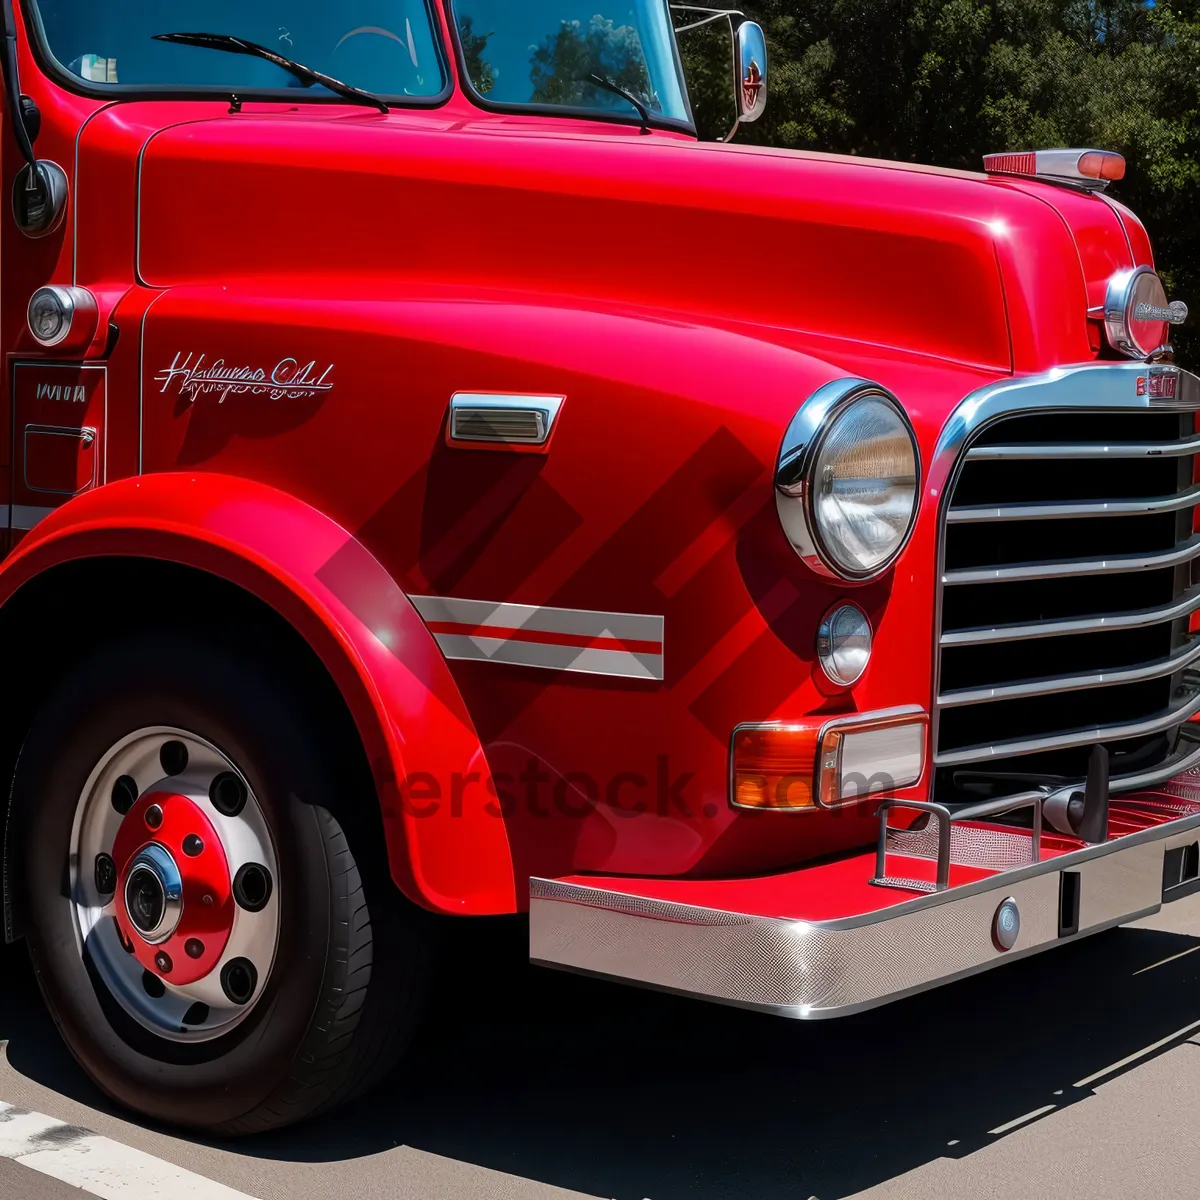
(1169, 691)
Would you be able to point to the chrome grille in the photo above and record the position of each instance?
(1070, 569)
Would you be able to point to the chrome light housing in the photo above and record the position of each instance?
(1137, 315)
(846, 483)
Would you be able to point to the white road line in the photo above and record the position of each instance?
(1029, 1116)
(1132, 1058)
(1163, 962)
(98, 1165)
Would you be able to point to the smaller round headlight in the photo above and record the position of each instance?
(844, 644)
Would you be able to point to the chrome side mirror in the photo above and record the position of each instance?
(750, 70)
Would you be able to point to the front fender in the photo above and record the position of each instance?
(337, 596)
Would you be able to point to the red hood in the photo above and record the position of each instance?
(956, 266)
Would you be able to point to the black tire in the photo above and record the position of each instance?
(352, 964)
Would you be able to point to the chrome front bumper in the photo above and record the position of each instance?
(823, 968)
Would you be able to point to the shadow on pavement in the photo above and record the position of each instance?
(624, 1093)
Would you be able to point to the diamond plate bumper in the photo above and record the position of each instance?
(756, 955)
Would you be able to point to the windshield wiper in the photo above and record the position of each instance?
(603, 81)
(306, 75)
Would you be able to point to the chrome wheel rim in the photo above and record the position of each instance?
(174, 884)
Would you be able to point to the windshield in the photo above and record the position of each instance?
(541, 52)
(382, 46)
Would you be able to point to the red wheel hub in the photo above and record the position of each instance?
(185, 832)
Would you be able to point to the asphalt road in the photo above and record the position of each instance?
(1073, 1074)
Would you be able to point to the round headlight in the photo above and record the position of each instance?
(844, 644)
(846, 484)
(1137, 315)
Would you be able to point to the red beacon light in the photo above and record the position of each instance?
(1084, 168)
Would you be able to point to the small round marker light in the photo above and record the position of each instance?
(1006, 925)
(63, 317)
(844, 644)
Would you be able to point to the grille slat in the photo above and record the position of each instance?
(1088, 450)
(1072, 567)
(1187, 604)
(1064, 740)
(1054, 684)
(1088, 508)
(1042, 653)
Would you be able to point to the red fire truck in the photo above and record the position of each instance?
(438, 485)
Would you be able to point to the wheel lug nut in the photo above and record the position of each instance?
(193, 845)
(162, 960)
(124, 794)
(105, 875)
(154, 816)
(228, 794)
(252, 887)
(174, 758)
(238, 980)
(193, 947)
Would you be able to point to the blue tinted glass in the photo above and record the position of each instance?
(383, 46)
(542, 52)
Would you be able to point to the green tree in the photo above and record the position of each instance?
(945, 81)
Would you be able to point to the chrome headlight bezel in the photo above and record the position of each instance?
(794, 483)
(1125, 328)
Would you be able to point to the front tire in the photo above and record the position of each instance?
(197, 920)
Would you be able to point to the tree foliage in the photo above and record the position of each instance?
(944, 81)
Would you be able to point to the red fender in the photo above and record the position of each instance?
(451, 857)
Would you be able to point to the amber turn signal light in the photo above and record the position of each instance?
(775, 767)
(827, 762)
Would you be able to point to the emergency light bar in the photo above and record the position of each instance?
(1085, 168)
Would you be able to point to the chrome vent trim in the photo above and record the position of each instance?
(507, 420)
(1030, 668)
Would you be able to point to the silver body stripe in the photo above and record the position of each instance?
(644, 660)
(26, 516)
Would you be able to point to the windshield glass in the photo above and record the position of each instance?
(541, 52)
(382, 46)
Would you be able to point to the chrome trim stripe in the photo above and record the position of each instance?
(1070, 737)
(1174, 557)
(26, 516)
(1085, 508)
(629, 645)
(1058, 450)
(1187, 604)
(1073, 683)
(815, 969)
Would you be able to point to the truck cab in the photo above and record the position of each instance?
(440, 486)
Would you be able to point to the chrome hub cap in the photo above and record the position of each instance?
(153, 893)
(174, 884)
